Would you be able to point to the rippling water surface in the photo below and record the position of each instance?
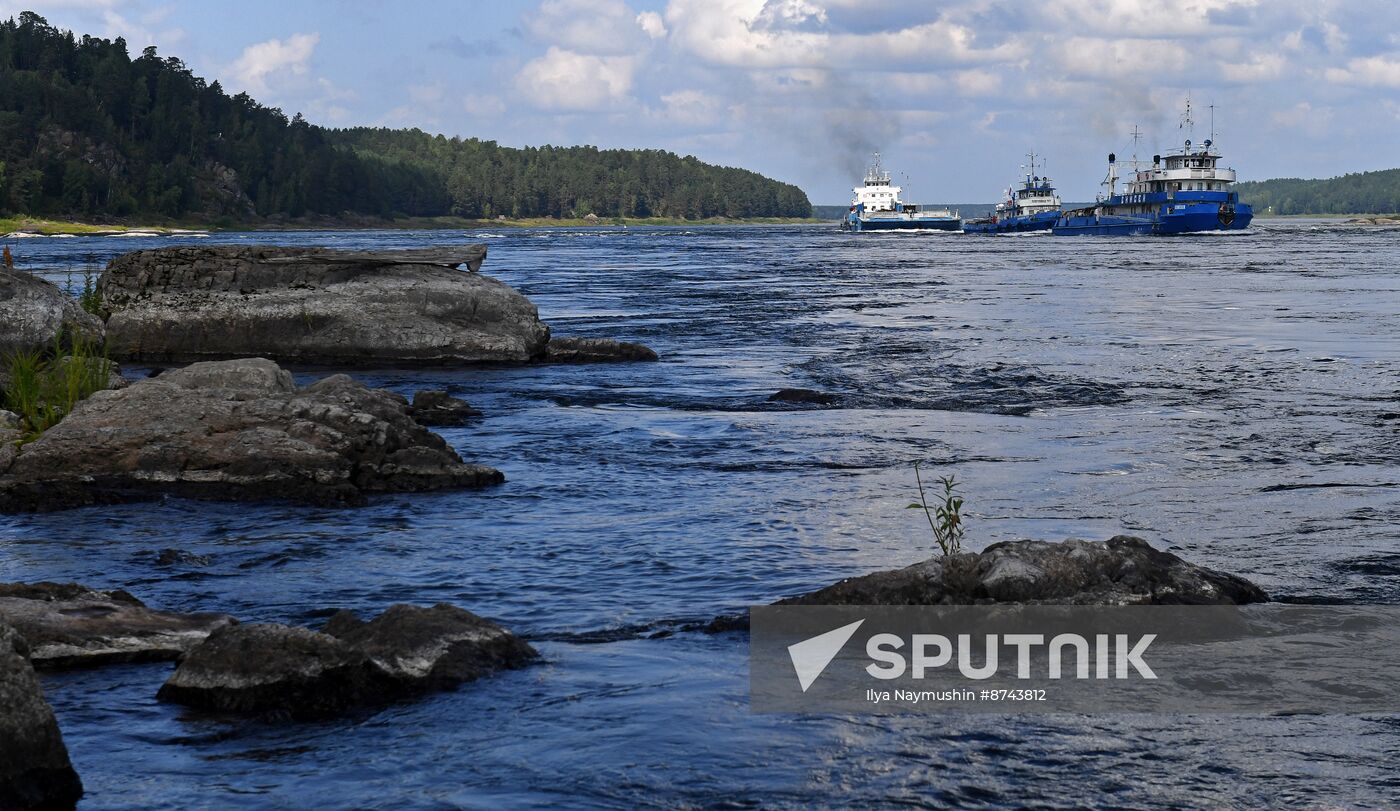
(1235, 399)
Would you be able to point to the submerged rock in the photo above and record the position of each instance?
(298, 673)
(596, 350)
(68, 625)
(432, 407)
(179, 557)
(35, 772)
(35, 312)
(802, 396)
(312, 305)
(234, 430)
(1120, 571)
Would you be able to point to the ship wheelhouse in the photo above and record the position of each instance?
(1186, 171)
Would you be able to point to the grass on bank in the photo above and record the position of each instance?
(43, 387)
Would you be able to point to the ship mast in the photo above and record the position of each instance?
(1187, 123)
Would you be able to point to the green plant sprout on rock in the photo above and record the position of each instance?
(945, 518)
(43, 387)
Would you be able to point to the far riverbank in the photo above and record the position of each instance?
(33, 226)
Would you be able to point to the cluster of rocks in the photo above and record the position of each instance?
(234, 425)
(265, 670)
(234, 430)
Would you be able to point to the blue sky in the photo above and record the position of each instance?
(953, 93)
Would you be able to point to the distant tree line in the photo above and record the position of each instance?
(484, 179)
(1360, 193)
(87, 131)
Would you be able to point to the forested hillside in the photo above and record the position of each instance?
(87, 131)
(1360, 193)
(484, 179)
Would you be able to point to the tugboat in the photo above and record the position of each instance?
(1186, 193)
(1033, 207)
(876, 207)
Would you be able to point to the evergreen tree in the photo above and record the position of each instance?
(87, 131)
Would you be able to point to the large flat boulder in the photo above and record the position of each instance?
(68, 625)
(234, 430)
(312, 305)
(292, 672)
(1120, 571)
(35, 312)
(35, 772)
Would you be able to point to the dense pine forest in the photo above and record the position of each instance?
(484, 179)
(86, 131)
(1360, 193)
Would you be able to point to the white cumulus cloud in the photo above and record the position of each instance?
(275, 57)
(567, 80)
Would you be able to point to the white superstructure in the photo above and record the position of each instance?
(876, 193)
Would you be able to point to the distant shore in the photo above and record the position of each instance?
(43, 227)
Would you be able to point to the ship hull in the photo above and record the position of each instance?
(1170, 217)
(1042, 221)
(855, 223)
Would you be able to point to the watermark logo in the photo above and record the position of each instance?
(811, 656)
(1263, 659)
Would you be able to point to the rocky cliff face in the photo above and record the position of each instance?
(315, 306)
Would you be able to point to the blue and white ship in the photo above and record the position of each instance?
(1187, 192)
(876, 206)
(1033, 207)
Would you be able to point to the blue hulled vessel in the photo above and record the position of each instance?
(1033, 207)
(876, 206)
(1185, 192)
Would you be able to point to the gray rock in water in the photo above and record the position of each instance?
(311, 305)
(35, 772)
(35, 312)
(274, 669)
(234, 430)
(433, 648)
(297, 673)
(432, 407)
(1121, 571)
(68, 625)
(595, 350)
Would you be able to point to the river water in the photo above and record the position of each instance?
(1235, 399)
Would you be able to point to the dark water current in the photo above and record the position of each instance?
(1235, 399)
